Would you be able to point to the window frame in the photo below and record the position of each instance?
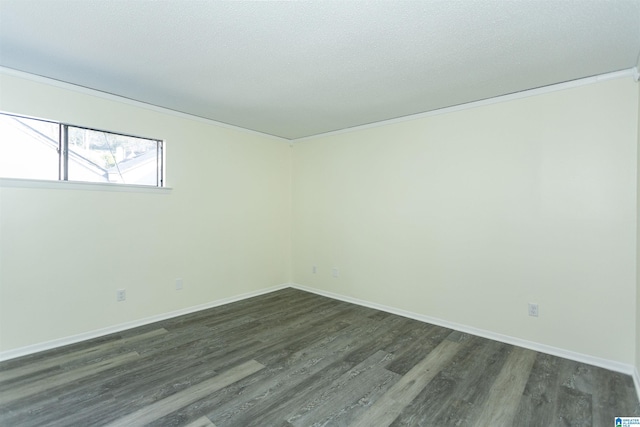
(63, 152)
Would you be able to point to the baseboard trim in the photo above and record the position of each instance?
(542, 348)
(48, 345)
(555, 351)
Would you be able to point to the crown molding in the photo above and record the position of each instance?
(117, 98)
(632, 72)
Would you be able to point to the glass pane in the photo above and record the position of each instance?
(28, 148)
(96, 156)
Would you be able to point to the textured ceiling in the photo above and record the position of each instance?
(295, 69)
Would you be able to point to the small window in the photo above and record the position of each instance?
(38, 149)
(29, 148)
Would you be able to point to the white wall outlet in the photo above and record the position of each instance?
(335, 272)
(314, 269)
(178, 284)
(533, 310)
(121, 295)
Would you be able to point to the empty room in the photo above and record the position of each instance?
(419, 213)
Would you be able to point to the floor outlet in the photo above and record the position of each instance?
(533, 310)
(121, 295)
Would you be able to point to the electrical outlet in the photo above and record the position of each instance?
(335, 272)
(533, 310)
(121, 295)
(314, 269)
(178, 284)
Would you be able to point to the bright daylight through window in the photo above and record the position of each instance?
(40, 149)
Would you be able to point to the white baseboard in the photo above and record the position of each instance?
(48, 345)
(636, 381)
(542, 348)
(555, 351)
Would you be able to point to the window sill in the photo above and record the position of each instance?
(79, 185)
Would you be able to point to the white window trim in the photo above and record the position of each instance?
(109, 186)
(80, 185)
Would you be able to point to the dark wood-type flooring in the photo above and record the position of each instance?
(292, 358)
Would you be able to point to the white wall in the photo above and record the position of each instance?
(464, 216)
(224, 227)
(470, 215)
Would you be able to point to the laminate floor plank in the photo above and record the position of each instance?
(177, 400)
(347, 412)
(90, 353)
(343, 394)
(286, 301)
(378, 335)
(201, 422)
(538, 404)
(359, 350)
(62, 378)
(303, 322)
(279, 301)
(74, 415)
(178, 342)
(269, 328)
(154, 378)
(472, 394)
(391, 404)
(145, 381)
(460, 388)
(285, 399)
(284, 316)
(574, 409)
(292, 358)
(288, 375)
(610, 391)
(504, 396)
(411, 347)
(23, 361)
(288, 352)
(281, 349)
